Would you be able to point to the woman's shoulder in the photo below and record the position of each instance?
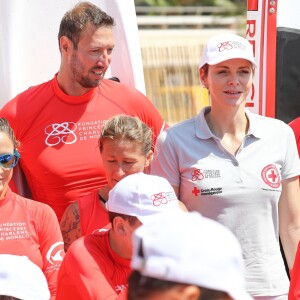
(263, 120)
(88, 199)
(34, 207)
(181, 126)
(267, 126)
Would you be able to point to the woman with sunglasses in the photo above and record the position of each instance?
(27, 227)
(125, 147)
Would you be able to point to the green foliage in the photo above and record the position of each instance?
(237, 3)
(156, 2)
(174, 2)
(234, 6)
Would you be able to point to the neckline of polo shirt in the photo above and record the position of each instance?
(72, 99)
(254, 129)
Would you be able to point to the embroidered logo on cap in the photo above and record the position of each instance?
(163, 198)
(159, 199)
(229, 45)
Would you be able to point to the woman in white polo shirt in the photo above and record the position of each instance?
(237, 167)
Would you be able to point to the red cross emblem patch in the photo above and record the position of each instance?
(270, 176)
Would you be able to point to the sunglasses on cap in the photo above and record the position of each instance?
(9, 161)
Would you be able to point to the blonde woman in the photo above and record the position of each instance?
(125, 145)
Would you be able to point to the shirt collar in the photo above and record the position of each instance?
(203, 132)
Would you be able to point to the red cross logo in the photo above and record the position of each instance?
(273, 176)
(196, 191)
(270, 176)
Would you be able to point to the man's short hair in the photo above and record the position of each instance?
(82, 15)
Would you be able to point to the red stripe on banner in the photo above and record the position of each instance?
(261, 67)
(271, 60)
(252, 5)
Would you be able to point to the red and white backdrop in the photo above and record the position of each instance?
(273, 29)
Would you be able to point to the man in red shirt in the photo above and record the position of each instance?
(97, 266)
(59, 122)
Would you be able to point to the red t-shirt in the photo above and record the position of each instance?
(92, 214)
(294, 292)
(31, 228)
(91, 270)
(59, 136)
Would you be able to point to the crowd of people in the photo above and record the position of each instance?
(138, 209)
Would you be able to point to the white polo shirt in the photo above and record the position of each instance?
(241, 192)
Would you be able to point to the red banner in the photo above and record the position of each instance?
(252, 5)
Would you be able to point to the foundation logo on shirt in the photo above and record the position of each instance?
(271, 176)
(60, 133)
(199, 174)
(55, 253)
(120, 288)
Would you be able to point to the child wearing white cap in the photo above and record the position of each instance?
(97, 266)
(20, 278)
(186, 256)
(238, 168)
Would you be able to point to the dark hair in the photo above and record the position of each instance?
(129, 128)
(76, 20)
(8, 298)
(140, 286)
(131, 219)
(5, 127)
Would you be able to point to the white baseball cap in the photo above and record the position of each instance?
(22, 279)
(190, 249)
(223, 47)
(142, 195)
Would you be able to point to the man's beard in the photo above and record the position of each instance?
(78, 69)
